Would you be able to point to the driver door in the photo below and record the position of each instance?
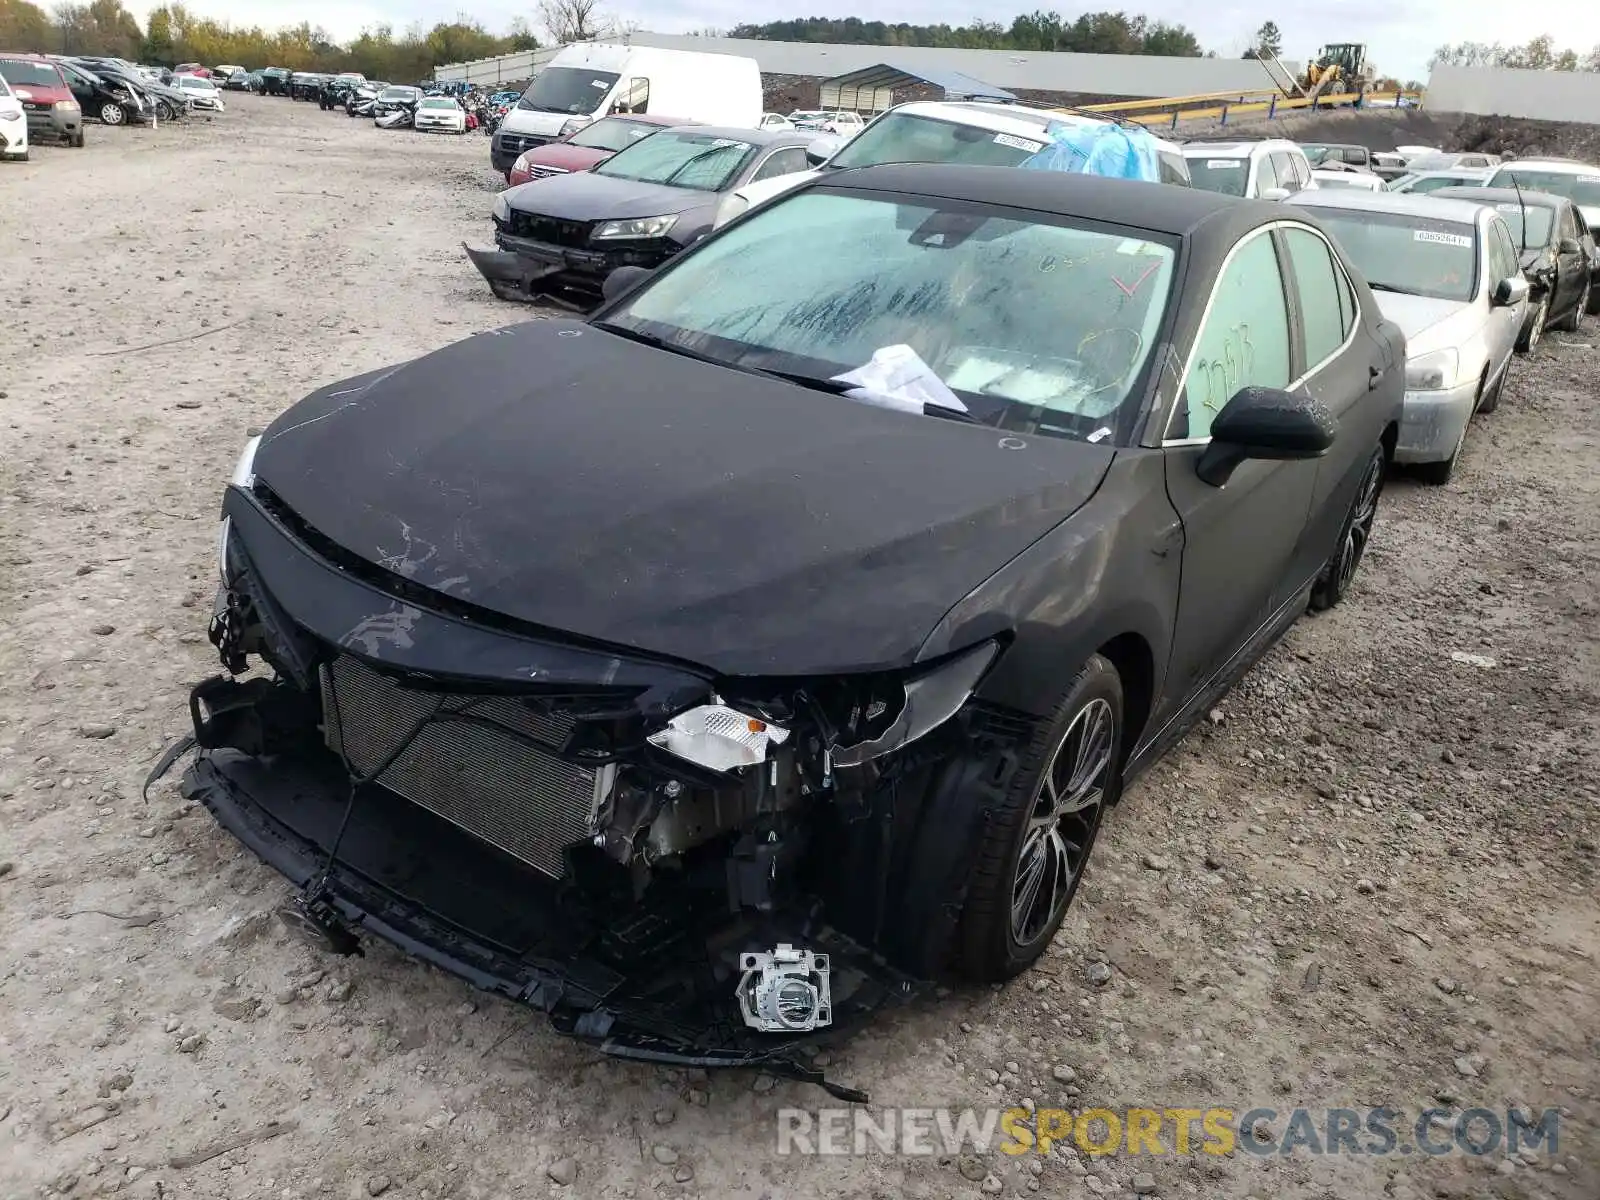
(1239, 540)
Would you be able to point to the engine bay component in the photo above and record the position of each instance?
(718, 737)
(785, 990)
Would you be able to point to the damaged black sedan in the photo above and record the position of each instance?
(708, 672)
(563, 235)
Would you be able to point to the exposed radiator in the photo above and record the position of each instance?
(466, 765)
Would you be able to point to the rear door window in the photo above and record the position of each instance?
(1266, 175)
(1319, 284)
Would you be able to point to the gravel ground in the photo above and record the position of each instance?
(1368, 879)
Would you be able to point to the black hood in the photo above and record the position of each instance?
(585, 196)
(582, 482)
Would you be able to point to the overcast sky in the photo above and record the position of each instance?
(1401, 36)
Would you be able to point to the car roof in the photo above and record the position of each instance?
(1138, 204)
(1399, 203)
(1555, 166)
(1453, 173)
(1483, 195)
(1016, 119)
(756, 137)
(1238, 149)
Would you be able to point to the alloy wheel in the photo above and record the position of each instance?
(112, 114)
(1359, 531)
(1062, 822)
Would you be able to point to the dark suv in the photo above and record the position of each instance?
(48, 103)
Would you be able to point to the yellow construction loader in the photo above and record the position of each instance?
(1339, 66)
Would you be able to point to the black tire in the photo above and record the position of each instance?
(1491, 399)
(1529, 338)
(993, 941)
(1355, 534)
(1594, 298)
(1573, 321)
(165, 111)
(79, 141)
(113, 114)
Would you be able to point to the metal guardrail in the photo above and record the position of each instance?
(1222, 106)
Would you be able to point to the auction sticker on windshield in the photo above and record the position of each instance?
(1221, 164)
(1442, 239)
(1589, 178)
(1017, 143)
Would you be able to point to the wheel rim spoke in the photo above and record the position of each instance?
(1062, 821)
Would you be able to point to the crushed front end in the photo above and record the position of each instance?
(680, 868)
(540, 257)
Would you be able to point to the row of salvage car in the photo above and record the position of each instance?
(723, 666)
(52, 97)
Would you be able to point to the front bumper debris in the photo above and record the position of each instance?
(435, 892)
(400, 771)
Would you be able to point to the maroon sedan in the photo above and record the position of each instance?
(587, 148)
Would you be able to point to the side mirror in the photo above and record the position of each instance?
(1570, 246)
(1509, 292)
(1277, 193)
(821, 150)
(622, 281)
(1265, 423)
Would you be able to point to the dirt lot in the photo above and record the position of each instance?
(1369, 879)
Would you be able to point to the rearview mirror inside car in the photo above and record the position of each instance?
(622, 281)
(1265, 423)
(1509, 291)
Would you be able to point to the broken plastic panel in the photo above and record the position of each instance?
(718, 737)
(930, 701)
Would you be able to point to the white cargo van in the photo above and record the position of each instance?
(590, 80)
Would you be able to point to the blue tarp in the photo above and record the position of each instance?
(1114, 150)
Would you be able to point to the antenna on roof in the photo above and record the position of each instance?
(1522, 204)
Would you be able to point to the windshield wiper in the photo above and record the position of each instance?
(1389, 287)
(839, 387)
(835, 387)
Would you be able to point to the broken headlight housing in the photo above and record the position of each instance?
(244, 475)
(929, 700)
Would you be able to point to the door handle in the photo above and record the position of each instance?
(1375, 376)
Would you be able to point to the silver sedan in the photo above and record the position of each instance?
(1446, 272)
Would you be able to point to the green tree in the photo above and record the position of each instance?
(25, 27)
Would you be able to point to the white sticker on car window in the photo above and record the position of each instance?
(1516, 208)
(1223, 164)
(723, 143)
(1441, 239)
(599, 83)
(1018, 143)
(1589, 178)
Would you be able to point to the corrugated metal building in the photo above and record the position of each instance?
(1128, 76)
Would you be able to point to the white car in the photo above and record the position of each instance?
(1446, 272)
(961, 131)
(440, 114)
(845, 124)
(775, 121)
(202, 93)
(1360, 181)
(13, 125)
(1271, 169)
